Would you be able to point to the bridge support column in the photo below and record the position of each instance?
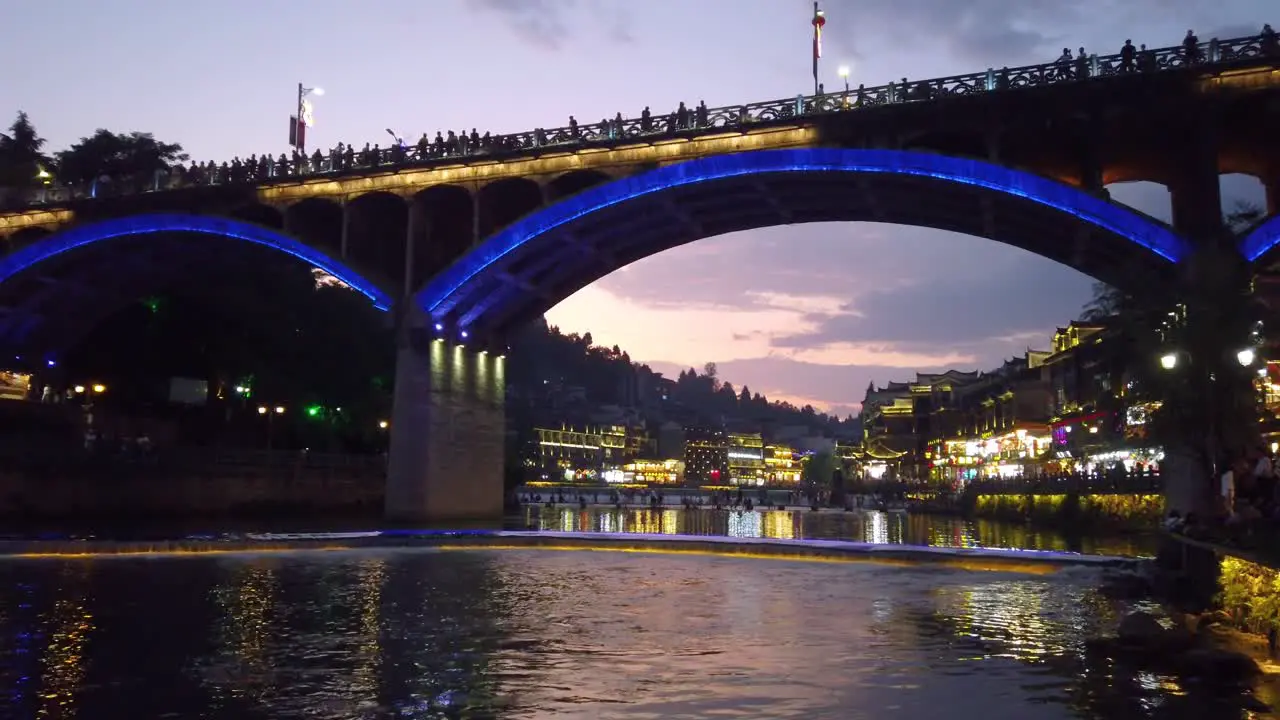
(448, 430)
(344, 238)
(416, 225)
(1194, 190)
(1272, 185)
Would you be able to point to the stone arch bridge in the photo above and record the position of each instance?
(468, 240)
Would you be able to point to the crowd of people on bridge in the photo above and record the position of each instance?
(452, 144)
(343, 157)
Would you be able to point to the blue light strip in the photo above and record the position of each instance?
(441, 294)
(82, 235)
(1261, 239)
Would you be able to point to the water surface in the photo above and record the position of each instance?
(871, 526)
(541, 634)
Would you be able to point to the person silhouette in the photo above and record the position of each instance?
(1269, 42)
(1191, 47)
(1128, 54)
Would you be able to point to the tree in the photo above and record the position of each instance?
(1243, 215)
(1207, 405)
(132, 158)
(21, 160)
(818, 471)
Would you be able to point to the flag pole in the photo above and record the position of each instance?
(819, 19)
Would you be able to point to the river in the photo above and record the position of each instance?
(432, 633)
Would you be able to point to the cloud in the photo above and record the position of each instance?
(549, 23)
(1013, 297)
(988, 32)
(846, 354)
(995, 33)
(539, 22)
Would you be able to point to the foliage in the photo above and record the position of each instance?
(1250, 594)
(818, 470)
(1207, 404)
(295, 346)
(21, 159)
(128, 157)
(1118, 510)
(557, 378)
(1123, 509)
(1243, 215)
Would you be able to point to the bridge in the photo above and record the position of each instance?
(467, 239)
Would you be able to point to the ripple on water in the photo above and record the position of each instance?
(377, 634)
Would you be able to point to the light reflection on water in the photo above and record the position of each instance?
(871, 526)
(534, 633)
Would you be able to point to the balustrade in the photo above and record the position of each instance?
(688, 122)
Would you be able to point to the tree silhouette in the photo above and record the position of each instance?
(1207, 406)
(21, 159)
(132, 158)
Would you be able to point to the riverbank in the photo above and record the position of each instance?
(1134, 512)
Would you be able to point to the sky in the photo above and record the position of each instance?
(808, 313)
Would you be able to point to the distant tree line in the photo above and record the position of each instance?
(545, 361)
(135, 156)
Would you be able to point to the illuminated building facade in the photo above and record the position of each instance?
(649, 472)
(573, 455)
(781, 466)
(1010, 453)
(745, 455)
(706, 456)
(900, 419)
(1094, 426)
(997, 426)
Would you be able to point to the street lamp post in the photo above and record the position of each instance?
(1246, 357)
(299, 120)
(270, 413)
(843, 72)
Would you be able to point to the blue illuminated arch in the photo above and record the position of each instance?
(1261, 239)
(80, 236)
(439, 296)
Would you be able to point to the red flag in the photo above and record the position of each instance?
(819, 19)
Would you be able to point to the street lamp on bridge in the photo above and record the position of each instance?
(302, 118)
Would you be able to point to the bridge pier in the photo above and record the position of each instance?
(1194, 189)
(448, 430)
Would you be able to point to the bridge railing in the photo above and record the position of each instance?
(688, 122)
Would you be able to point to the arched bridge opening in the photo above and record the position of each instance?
(541, 259)
(54, 290)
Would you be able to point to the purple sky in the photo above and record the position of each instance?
(810, 313)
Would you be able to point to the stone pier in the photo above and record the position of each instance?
(448, 431)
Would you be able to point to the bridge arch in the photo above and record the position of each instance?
(531, 265)
(62, 274)
(1261, 245)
